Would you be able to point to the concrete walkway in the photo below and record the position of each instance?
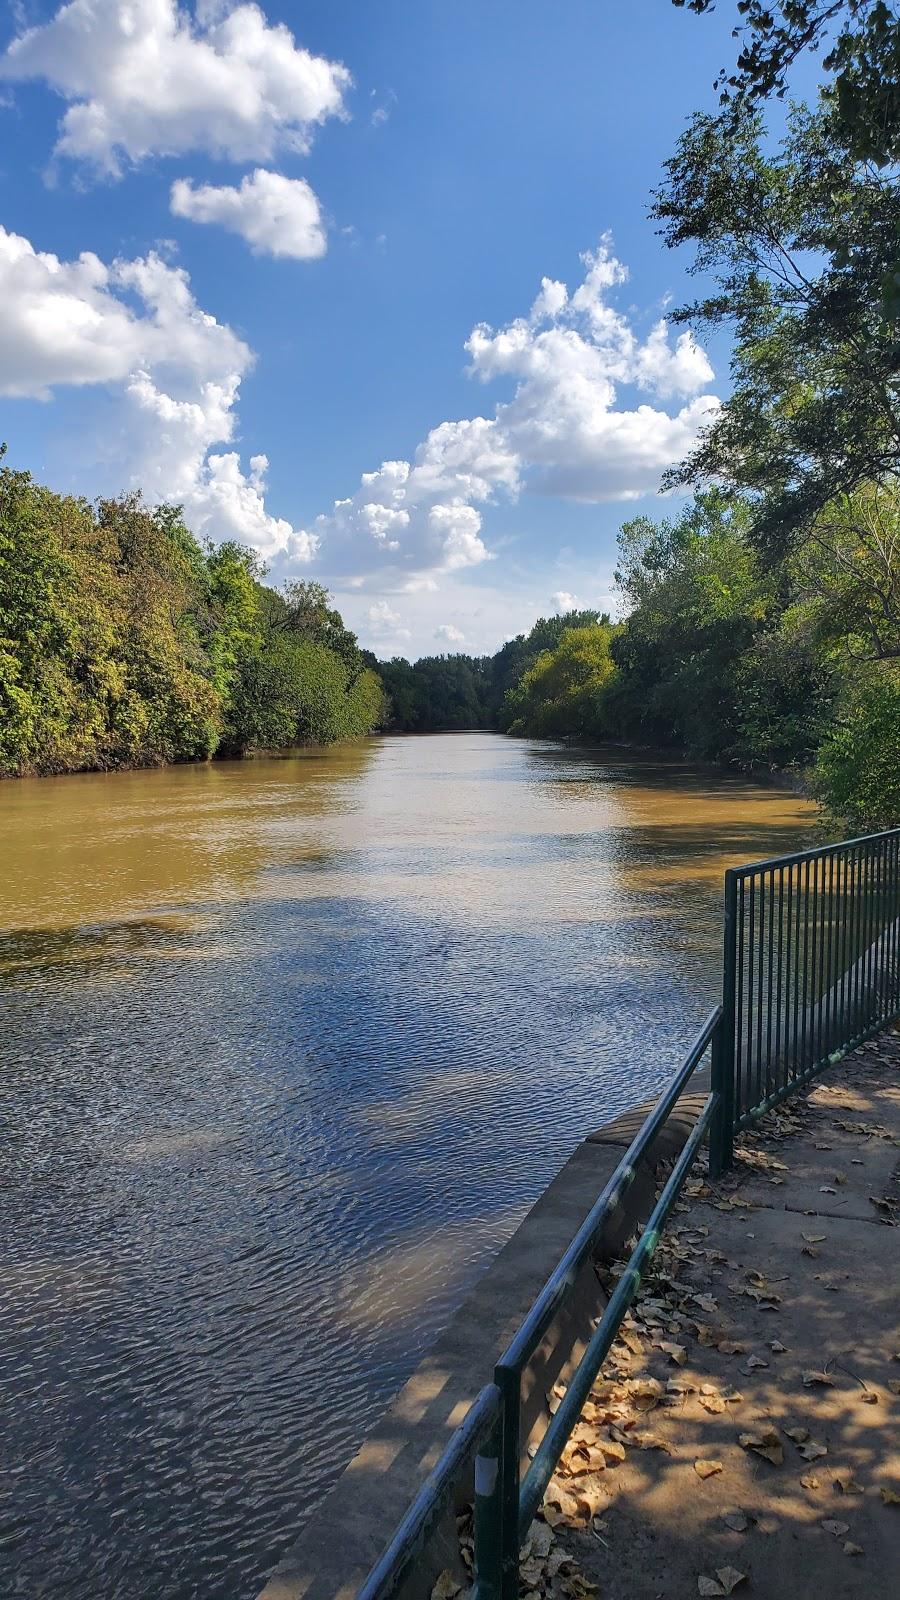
(745, 1434)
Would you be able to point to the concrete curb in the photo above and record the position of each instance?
(349, 1530)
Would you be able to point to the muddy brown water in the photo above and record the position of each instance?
(289, 1049)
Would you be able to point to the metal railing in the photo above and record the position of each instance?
(811, 967)
(505, 1502)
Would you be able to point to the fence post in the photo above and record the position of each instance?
(509, 1382)
(489, 1514)
(721, 1141)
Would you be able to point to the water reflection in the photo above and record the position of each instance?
(289, 1048)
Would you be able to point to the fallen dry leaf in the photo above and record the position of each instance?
(675, 1352)
(889, 1496)
(446, 1587)
(837, 1528)
(844, 1480)
(797, 1435)
(822, 1379)
(709, 1586)
(738, 1521)
(809, 1480)
(813, 1450)
(766, 1444)
(707, 1469)
(645, 1392)
(729, 1578)
(754, 1362)
(851, 1549)
(777, 1346)
(894, 1385)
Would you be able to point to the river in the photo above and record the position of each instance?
(289, 1048)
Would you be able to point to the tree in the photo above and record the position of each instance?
(123, 642)
(862, 40)
(857, 773)
(518, 654)
(847, 573)
(708, 660)
(564, 692)
(803, 246)
(308, 612)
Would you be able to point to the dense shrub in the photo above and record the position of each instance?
(125, 643)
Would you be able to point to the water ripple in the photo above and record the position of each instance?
(290, 1047)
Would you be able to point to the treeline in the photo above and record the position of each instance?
(450, 692)
(724, 655)
(125, 643)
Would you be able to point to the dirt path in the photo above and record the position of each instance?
(744, 1435)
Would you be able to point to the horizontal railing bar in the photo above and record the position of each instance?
(753, 868)
(526, 1340)
(389, 1572)
(551, 1447)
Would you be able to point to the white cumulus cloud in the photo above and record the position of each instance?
(135, 326)
(277, 216)
(566, 431)
(562, 601)
(148, 78)
(448, 634)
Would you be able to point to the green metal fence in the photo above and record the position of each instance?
(811, 966)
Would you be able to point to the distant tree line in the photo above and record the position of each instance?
(725, 654)
(125, 643)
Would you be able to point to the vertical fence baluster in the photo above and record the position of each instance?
(759, 988)
(797, 872)
(777, 1072)
(721, 1142)
(770, 982)
(831, 980)
(804, 1053)
(841, 945)
(815, 975)
(892, 957)
(509, 1382)
(857, 914)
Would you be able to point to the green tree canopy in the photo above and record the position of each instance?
(860, 45)
(565, 691)
(802, 244)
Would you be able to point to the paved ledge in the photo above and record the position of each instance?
(795, 1345)
(350, 1529)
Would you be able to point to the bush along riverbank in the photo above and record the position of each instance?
(124, 642)
(726, 655)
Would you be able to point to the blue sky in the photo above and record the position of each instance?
(426, 165)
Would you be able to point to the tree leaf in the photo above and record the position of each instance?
(813, 1450)
(729, 1578)
(765, 1443)
(446, 1587)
